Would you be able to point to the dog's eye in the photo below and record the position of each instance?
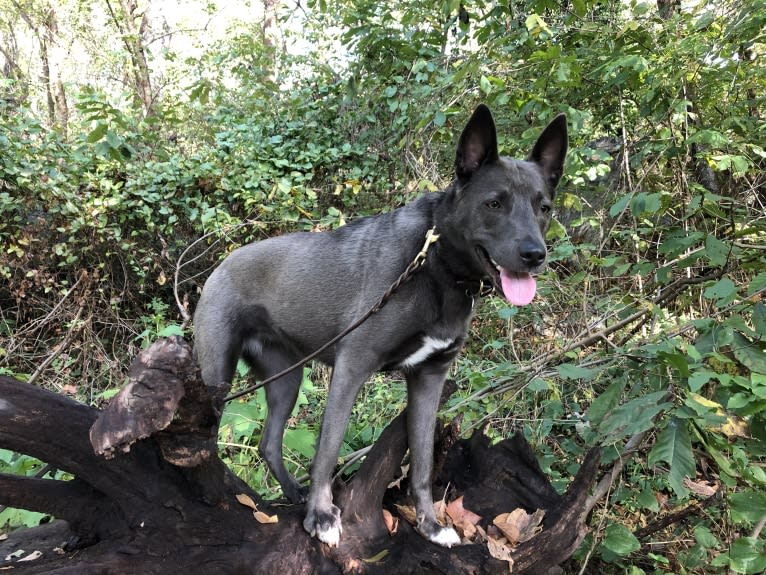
(493, 204)
(545, 208)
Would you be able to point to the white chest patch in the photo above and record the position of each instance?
(430, 345)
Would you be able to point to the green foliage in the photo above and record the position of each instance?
(11, 518)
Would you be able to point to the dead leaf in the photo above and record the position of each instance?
(440, 509)
(392, 523)
(352, 565)
(518, 525)
(481, 535)
(15, 555)
(735, 426)
(397, 482)
(31, 557)
(408, 513)
(704, 488)
(499, 549)
(463, 520)
(247, 501)
(265, 518)
(466, 530)
(260, 516)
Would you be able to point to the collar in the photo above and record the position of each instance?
(476, 288)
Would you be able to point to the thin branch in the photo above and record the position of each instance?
(758, 528)
(605, 485)
(180, 263)
(73, 330)
(33, 325)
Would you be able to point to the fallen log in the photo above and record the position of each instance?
(150, 494)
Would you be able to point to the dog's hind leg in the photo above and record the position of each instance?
(424, 388)
(217, 354)
(281, 395)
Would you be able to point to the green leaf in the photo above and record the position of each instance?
(633, 417)
(747, 555)
(749, 505)
(302, 440)
(605, 402)
(705, 537)
(716, 251)
(699, 378)
(751, 354)
(439, 119)
(710, 138)
(757, 284)
(678, 242)
(674, 446)
(759, 318)
(97, 133)
(485, 85)
(724, 289)
(644, 204)
(556, 230)
(572, 371)
(619, 205)
(620, 540)
(170, 330)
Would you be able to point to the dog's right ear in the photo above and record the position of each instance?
(478, 143)
(551, 149)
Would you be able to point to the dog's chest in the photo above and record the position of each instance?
(429, 347)
(420, 349)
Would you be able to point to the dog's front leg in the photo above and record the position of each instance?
(322, 517)
(424, 388)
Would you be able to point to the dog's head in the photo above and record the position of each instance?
(503, 205)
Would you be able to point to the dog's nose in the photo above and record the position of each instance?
(532, 254)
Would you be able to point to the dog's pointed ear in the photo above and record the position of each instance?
(551, 149)
(478, 143)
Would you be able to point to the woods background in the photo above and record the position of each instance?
(141, 141)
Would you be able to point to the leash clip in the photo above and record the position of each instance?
(431, 237)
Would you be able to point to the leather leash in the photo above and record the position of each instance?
(410, 270)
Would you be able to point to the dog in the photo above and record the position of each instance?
(275, 301)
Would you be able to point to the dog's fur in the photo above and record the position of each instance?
(275, 301)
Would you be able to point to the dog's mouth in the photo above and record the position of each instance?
(518, 287)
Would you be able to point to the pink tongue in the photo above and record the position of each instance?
(518, 288)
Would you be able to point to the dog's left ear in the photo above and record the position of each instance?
(478, 143)
(551, 149)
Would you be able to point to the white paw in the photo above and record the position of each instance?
(446, 537)
(330, 536)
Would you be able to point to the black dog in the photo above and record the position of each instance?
(275, 301)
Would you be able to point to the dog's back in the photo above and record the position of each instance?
(302, 289)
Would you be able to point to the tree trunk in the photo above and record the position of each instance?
(132, 26)
(271, 35)
(150, 494)
(45, 29)
(55, 56)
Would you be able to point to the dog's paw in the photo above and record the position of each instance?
(296, 493)
(444, 536)
(325, 526)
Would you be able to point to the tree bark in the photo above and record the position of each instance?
(45, 28)
(150, 494)
(132, 26)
